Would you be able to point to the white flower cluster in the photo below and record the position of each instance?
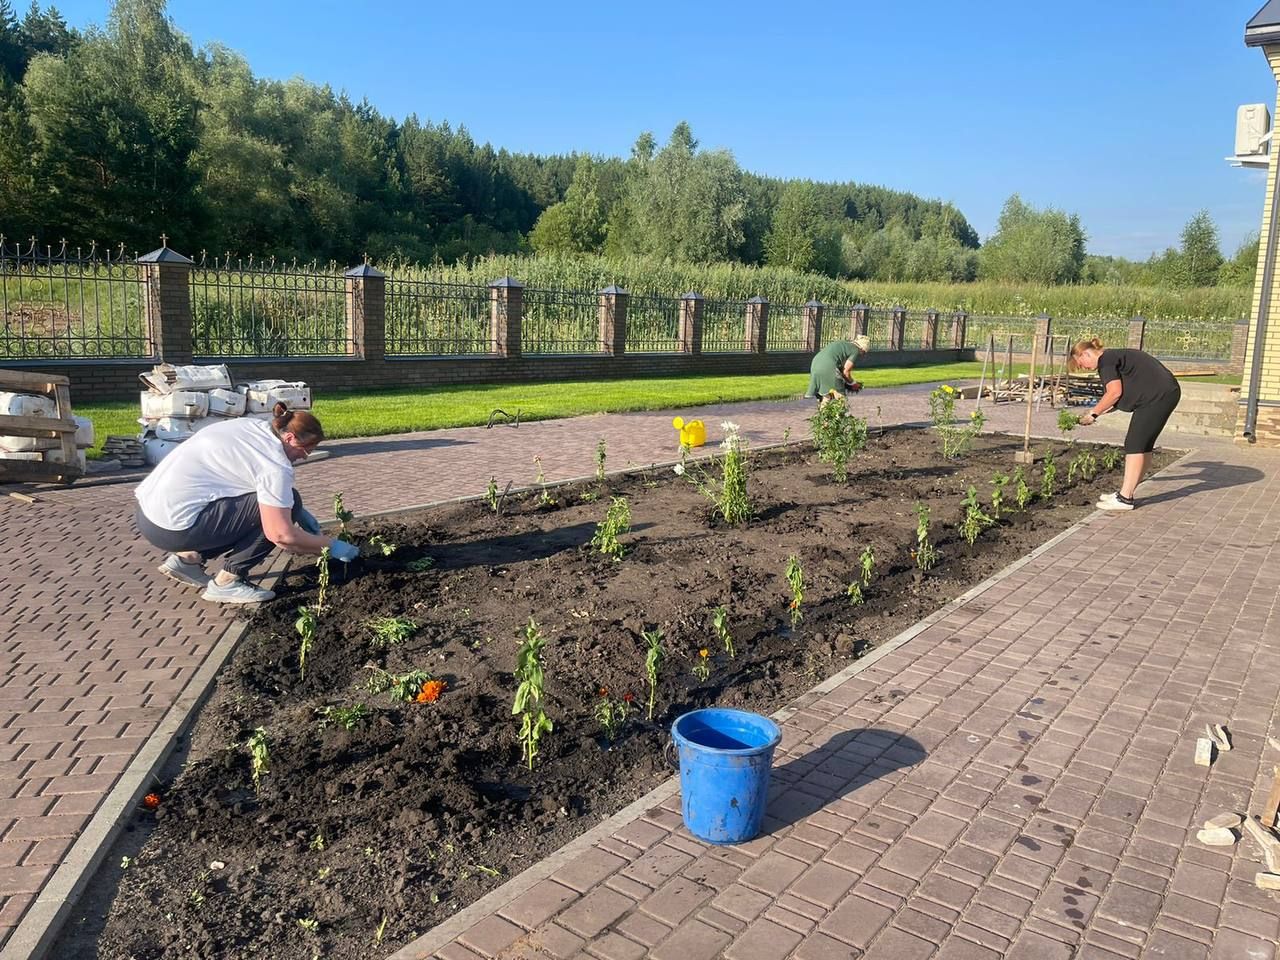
(731, 439)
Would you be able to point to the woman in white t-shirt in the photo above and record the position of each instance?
(228, 492)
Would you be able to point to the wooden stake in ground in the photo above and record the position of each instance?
(1025, 455)
(1272, 806)
(1267, 841)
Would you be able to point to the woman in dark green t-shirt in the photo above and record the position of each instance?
(832, 367)
(1140, 384)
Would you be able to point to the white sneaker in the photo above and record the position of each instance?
(192, 574)
(240, 591)
(1113, 501)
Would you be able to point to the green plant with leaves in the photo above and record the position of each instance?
(720, 624)
(795, 580)
(1088, 464)
(259, 755)
(730, 495)
(343, 516)
(545, 500)
(348, 718)
(998, 483)
(652, 662)
(322, 581)
(1073, 467)
(491, 494)
(389, 631)
(306, 627)
(1048, 477)
(1111, 458)
(1067, 422)
(854, 593)
(1021, 492)
(402, 686)
(601, 456)
(379, 545)
(867, 564)
(702, 664)
(942, 412)
(837, 434)
(611, 713)
(420, 565)
(534, 723)
(617, 521)
(974, 520)
(925, 553)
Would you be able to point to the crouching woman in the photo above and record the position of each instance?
(228, 492)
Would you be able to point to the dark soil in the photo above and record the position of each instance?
(423, 808)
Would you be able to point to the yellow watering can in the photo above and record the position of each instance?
(692, 434)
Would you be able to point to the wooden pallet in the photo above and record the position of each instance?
(60, 427)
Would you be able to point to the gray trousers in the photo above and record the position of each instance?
(230, 528)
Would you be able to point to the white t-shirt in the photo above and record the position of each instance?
(225, 460)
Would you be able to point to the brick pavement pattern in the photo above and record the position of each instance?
(97, 647)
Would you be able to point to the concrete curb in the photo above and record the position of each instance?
(40, 925)
(449, 930)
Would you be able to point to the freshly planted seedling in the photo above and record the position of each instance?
(388, 631)
(998, 483)
(600, 459)
(795, 580)
(528, 700)
(616, 521)
(702, 665)
(306, 627)
(348, 718)
(343, 516)
(612, 713)
(378, 544)
(430, 691)
(652, 663)
(402, 686)
(867, 564)
(1088, 464)
(322, 580)
(1067, 421)
(854, 593)
(259, 755)
(925, 553)
(974, 520)
(942, 412)
(837, 435)
(1021, 492)
(1073, 467)
(730, 497)
(420, 565)
(720, 623)
(1111, 457)
(1048, 477)
(491, 494)
(546, 500)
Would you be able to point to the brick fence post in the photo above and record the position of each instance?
(166, 298)
(812, 326)
(1137, 333)
(959, 329)
(859, 321)
(1044, 329)
(613, 320)
(506, 312)
(757, 324)
(897, 327)
(929, 340)
(1239, 343)
(367, 312)
(691, 305)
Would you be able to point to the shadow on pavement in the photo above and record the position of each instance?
(1207, 475)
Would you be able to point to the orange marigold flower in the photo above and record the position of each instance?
(151, 801)
(431, 691)
(703, 653)
(603, 691)
(628, 697)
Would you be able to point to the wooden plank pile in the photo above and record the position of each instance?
(60, 428)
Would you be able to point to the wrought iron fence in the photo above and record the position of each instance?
(1112, 331)
(980, 330)
(880, 329)
(653, 324)
(785, 330)
(560, 321)
(247, 309)
(724, 326)
(837, 324)
(1207, 340)
(63, 303)
(426, 318)
(913, 332)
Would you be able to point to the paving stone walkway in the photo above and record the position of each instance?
(96, 648)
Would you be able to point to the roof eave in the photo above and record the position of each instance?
(1262, 36)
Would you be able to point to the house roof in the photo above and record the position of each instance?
(1264, 27)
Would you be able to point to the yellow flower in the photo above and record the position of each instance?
(703, 653)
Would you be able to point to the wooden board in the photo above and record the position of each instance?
(23, 381)
(47, 427)
(60, 427)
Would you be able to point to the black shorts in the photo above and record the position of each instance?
(1147, 422)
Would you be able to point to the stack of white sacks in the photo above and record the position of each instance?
(182, 400)
(31, 448)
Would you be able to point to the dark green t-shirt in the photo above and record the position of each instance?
(837, 352)
(1143, 377)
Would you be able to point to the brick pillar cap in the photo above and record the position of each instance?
(614, 289)
(962, 312)
(507, 282)
(933, 310)
(1043, 316)
(364, 270)
(165, 255)
(814, 303)
(698, 296)
(859, 306)
(899, 308)
(757, 300)
(1137, 318)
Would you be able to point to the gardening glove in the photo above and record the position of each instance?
(341, 550)
(308, 522)
(854, 386)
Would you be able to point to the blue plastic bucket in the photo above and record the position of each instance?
(725, 757)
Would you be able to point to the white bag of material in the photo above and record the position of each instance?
(176, 428)
(84, 431)
(154, 449)
(26, 405)
(166, 378)
(262, 395)
(27, 445)
(225, 403)
(180, 403)
(48, 456)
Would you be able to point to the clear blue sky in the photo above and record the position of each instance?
(1120, 111)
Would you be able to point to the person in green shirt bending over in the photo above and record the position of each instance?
(832, 368)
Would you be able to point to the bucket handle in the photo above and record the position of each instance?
(667, 751)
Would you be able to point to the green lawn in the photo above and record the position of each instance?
(375, 412)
